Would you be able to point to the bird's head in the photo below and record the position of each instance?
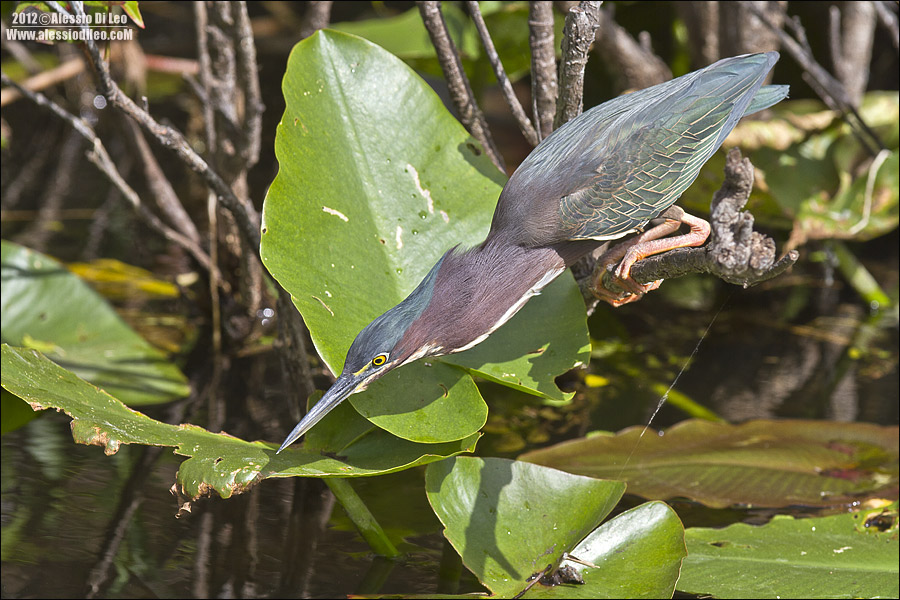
(395, 338)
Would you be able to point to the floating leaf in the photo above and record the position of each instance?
(637, 554)
(46, 307)
(510, 520)
(826, 557)
(759, 463)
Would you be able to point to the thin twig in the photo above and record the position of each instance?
(578, 35)
(167, 136)
(506, 88)
(100, 157)
(160, 186)
(544, 87)
(457, 82)
(889, 21)
(830, 89)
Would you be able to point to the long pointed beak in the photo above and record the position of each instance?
(343, 387)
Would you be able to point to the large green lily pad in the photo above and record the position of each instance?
(841, 556)
(758, 463)
(46, 307)
(637, 554)
(376, 181)
(217, 461)
(511, 520)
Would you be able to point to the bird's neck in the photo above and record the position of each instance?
(478, 290)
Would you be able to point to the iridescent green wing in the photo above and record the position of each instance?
(647, 156)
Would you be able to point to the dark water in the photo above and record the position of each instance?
(77, 523)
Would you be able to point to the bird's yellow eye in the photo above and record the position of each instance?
(379, 360)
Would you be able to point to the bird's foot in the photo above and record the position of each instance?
(648, 243)
(633, 291)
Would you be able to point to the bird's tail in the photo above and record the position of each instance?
(768, 95)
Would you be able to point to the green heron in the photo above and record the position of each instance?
(599, 177)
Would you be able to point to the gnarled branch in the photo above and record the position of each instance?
(578, 35)
(735, 252)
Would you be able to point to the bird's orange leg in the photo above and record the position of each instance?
(650, 242)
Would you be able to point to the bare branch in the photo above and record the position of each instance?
(506, 88)
(201, 23)
(634, 63)
(100, 157)
(888, 20)
(735, 253)
(457, 82)
(578, 35)
(317, 16)
(167, 136)
(248, 77)
(543, 65)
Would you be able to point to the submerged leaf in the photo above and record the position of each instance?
(48, 308)
(758, 463)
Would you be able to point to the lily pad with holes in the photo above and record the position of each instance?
(359, 214)
(217, 461)
(851, 555)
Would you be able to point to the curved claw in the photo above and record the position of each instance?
(634, 291)
(648, 243)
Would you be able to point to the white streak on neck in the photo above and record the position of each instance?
(510, 313)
